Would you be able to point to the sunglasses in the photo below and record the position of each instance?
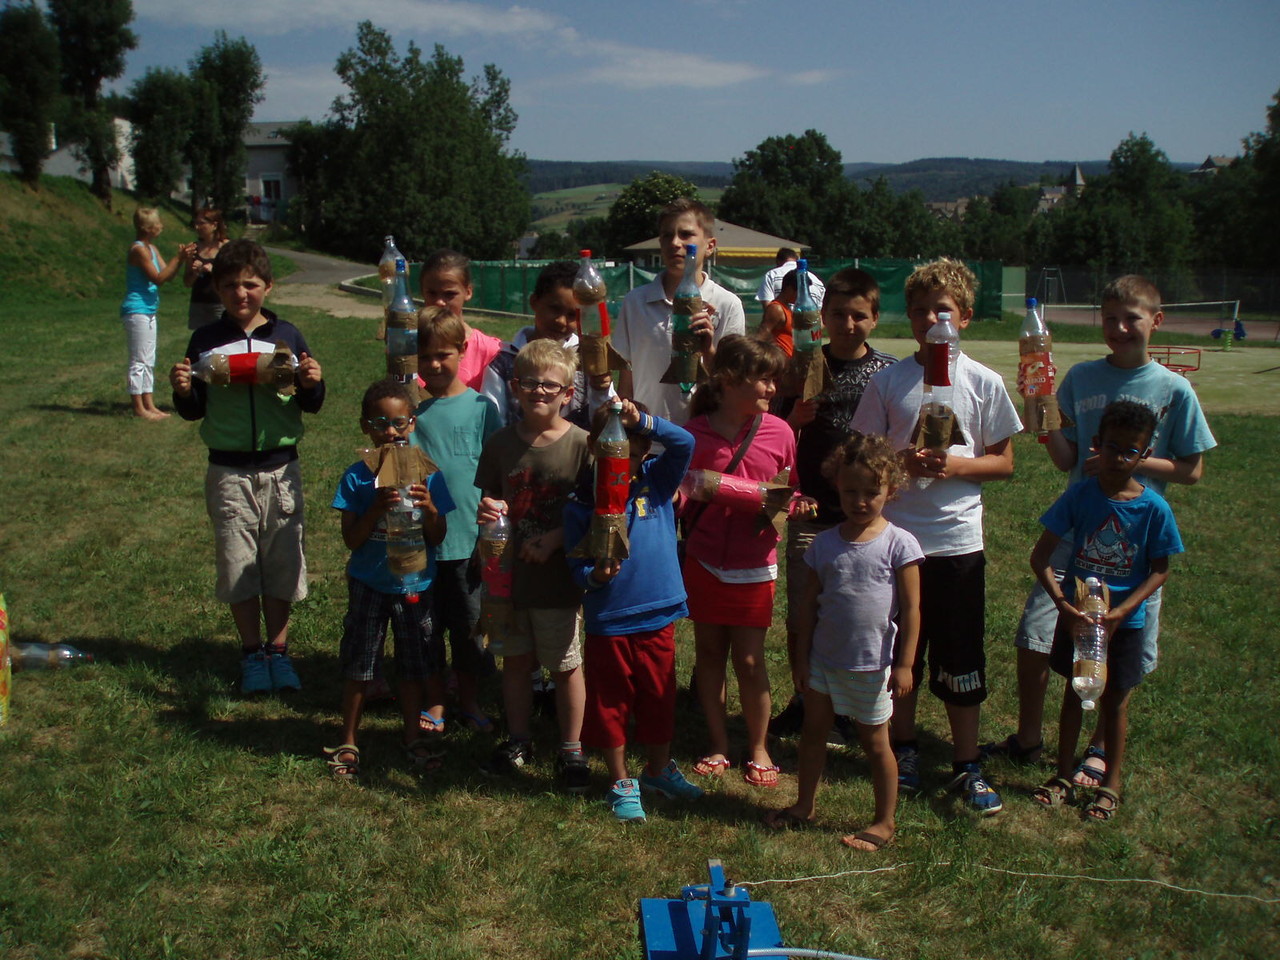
(1127, 454)
(381, 423)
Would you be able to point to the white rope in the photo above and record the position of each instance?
(1017, 873)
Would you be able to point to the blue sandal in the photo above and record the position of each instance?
(1090, 774)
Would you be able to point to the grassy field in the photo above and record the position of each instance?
(148, 811)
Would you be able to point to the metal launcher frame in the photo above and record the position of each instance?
(709, 921)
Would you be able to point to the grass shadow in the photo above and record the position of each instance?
(94, 408)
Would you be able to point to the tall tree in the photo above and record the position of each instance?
(227, 80)
(160, 109)
(93, 37)
(28, 85)
(413, 149)
(789, 186)
(633, 217)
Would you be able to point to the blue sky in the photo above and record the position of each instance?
(710, 79)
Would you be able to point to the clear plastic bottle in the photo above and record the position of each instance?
(590, 290)
(387, 270)
(495, 569)
(806, 321)
(1089, 671)
(686, 301)
(406, 541)
(46, 656)
(941, 348)
(402, 329)
(1035, 366)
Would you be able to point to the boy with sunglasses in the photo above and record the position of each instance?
(375, 594)
(527, 470)
(1124, 534)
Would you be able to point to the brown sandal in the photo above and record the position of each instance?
(343, 762)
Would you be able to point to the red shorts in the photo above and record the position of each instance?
(633, 675)
(728, 604)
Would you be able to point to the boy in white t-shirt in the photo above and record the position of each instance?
(945, 515)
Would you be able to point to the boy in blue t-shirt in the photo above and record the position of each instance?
(631, 609)
(374, 593)
(1124, 536)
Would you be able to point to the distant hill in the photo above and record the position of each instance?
(938, 178)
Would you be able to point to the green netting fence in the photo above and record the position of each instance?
(504, 286)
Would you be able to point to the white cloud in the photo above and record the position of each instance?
(811, 78)
(638, 68)
(296, 92)
(277, 17)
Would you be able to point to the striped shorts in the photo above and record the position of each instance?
(860, 694)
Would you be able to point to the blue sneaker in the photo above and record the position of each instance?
(977, 793)
(908, 769)
(624, 800)
(670, 783)
(283, 676)
(255, 673)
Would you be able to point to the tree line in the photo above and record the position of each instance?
(52, 69)
(1141, 214)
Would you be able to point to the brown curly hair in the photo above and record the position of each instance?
(870, 450)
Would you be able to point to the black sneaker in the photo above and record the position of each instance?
(790, 721)
(572, 773)
(510, 757)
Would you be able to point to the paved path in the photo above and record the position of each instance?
(315, 284)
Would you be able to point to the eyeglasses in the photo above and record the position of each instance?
(381, 423)
(549, 387)
(1127, 454)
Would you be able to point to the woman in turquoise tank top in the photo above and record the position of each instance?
(144, 271)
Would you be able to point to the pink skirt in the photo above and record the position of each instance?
(728, 604)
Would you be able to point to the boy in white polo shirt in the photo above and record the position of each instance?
(643, 331)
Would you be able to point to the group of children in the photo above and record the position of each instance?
(884, 547)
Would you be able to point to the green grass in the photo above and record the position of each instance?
(148, 811)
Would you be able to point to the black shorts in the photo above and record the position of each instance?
(1124, 656)
(455, 609)
(953, 628)
(364, 631)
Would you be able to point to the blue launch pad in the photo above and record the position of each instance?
(710, 921)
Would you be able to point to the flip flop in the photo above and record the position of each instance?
(429, 723)
(712, 766)
(477, 721)
(876, 841)
(786, 819)
(758, 774)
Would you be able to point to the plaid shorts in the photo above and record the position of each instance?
(364, 631)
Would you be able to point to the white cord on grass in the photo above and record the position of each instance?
(1017, 873)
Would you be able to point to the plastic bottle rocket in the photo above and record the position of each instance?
(387, 277)
(402, 333)
(687, 300)
(769, 499)
(46, 656)
(607, 538)
(1089, 671)
(937, 428)
(1036, 374)
(277, 369)
(806, 338)
(496, 579)
(406, 541)
(595, 351)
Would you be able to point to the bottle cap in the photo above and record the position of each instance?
(584, 253)
(1031, 301)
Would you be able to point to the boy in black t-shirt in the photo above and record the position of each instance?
(850, 311)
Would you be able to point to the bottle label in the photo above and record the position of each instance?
(613, 482)
(937, 366)
(1035, 374)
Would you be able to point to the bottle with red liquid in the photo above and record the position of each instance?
(1036, 372)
